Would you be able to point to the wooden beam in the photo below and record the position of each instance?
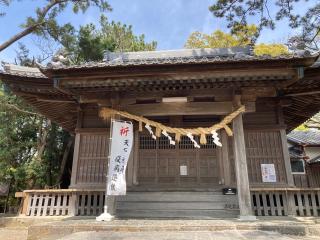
(54, 100)
(131, 97)
(188, 108)
(186, 70)
(252, 93)
(304, 93)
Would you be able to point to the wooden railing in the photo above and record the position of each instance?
(77, 202)
(89, 203)
(286, 201)
(63, 202)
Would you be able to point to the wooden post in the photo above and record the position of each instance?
(73, 204)
(291, 204)
(130, 170)
(285, 150)
(136, 157)
(241, 169)
(25, 200)
(225, 159)
(75, 160)
(286, 157)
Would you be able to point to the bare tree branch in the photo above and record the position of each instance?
(40, 21)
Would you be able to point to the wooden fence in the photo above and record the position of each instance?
(286, 201)
(63, 202)
(72, 202)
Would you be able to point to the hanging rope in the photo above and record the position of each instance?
(106, 113)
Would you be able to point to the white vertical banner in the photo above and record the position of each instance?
(120, 149)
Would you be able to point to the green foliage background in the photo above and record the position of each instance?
(31, 146)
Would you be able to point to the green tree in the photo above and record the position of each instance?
(90, 43)
(239, 13)
(273, 50)
(219, 39)
(4, 3)
(44, 23)
(31, 146)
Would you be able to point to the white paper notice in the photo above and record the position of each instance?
(183, 171)
(121, 145)
(268, 173)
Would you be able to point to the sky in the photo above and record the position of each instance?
(169, 22)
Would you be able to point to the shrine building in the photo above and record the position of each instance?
(249, 175)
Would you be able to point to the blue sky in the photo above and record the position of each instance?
(169, 22)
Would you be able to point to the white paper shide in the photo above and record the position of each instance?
(121, 145)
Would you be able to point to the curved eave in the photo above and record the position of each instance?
(44, 98)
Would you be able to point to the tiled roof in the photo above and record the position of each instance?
(296, 153)
(20, 71)
(310, 137)
(314, 160)
(184, 56)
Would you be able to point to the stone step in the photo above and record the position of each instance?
(57, 229)
(177, 214)
(177, 197)
(199, 205)
(165, 205)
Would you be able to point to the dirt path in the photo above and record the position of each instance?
(220, 235)
(13, 233)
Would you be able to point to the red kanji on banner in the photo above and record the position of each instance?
(124, 131)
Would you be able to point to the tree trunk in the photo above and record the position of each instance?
(43, 140)
(18, 36)
(41, 20)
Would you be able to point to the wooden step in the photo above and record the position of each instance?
(199, 205)
(177, 196)
(177, 214)
(175, 205)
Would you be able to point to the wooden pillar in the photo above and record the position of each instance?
(129, 176)
(286, 157)
(241, 170)
(285, 150)
(75, 161)
(73, 205)
(225, 159)
(291, 204)
(136, 157)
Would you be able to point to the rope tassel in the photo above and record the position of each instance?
(140, 126)
(203, 139)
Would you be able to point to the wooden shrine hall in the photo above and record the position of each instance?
(249, 175)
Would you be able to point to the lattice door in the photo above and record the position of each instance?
(161, 163)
